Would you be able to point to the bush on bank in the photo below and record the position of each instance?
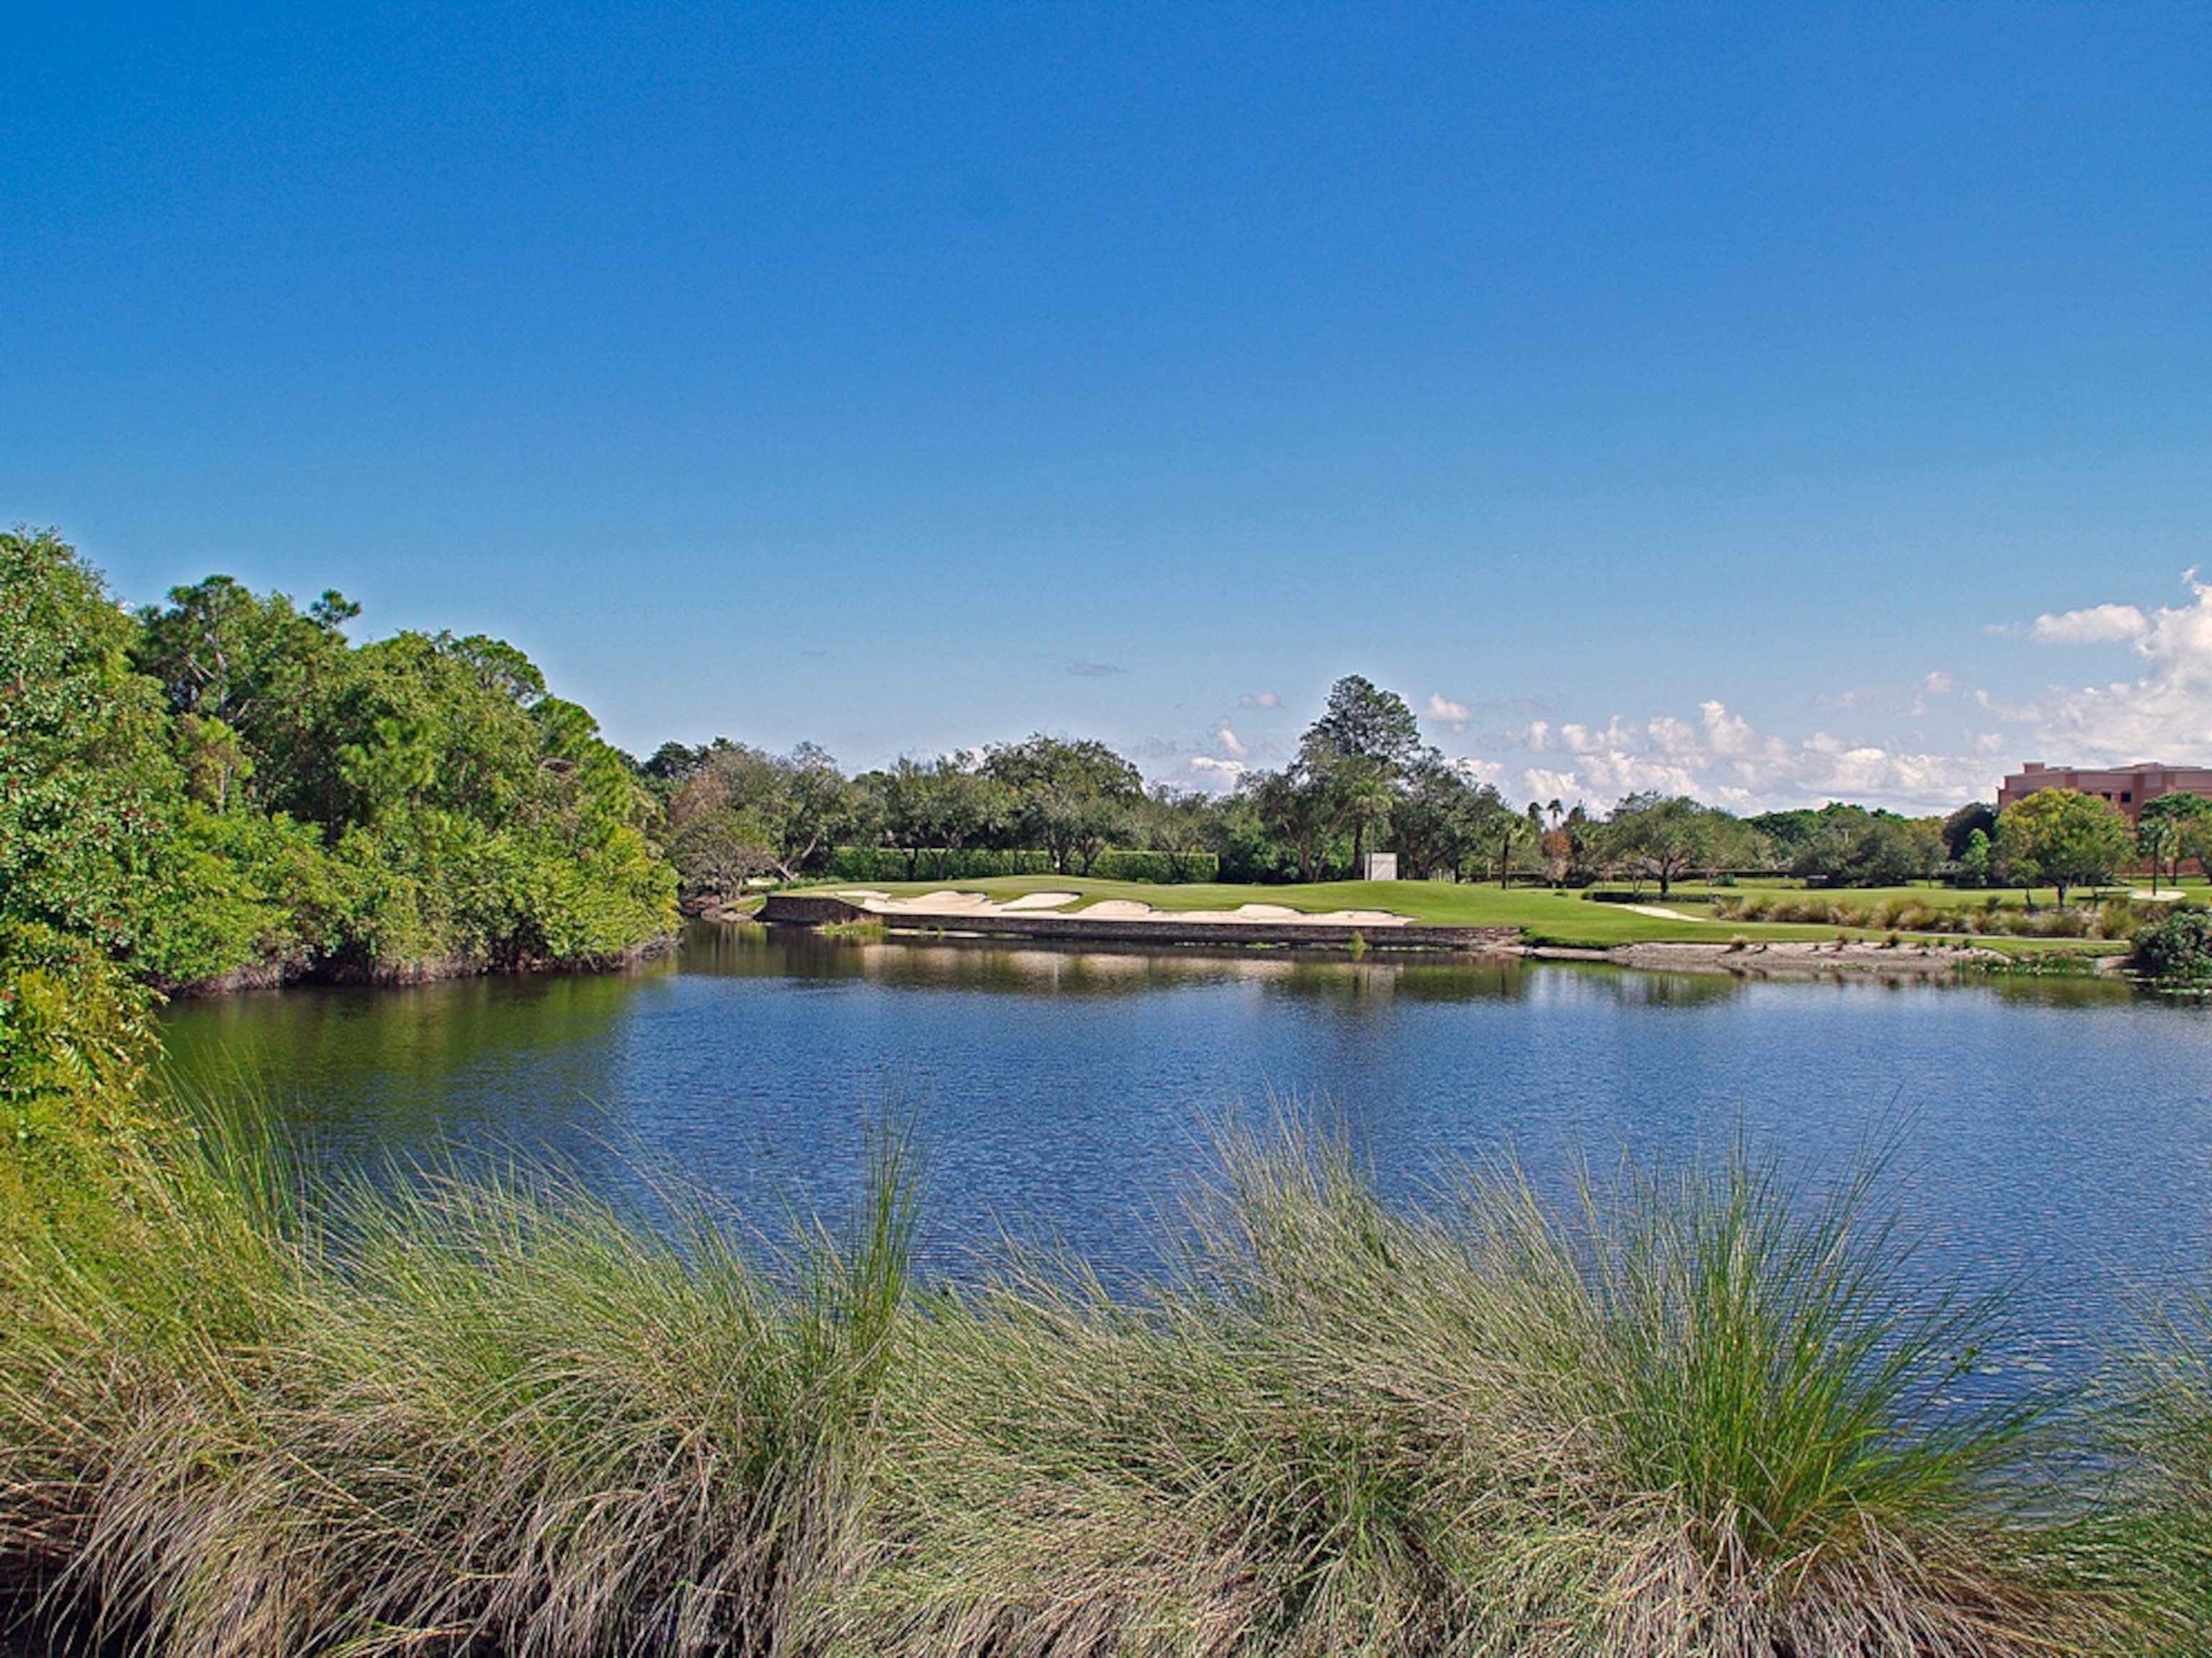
(2115, 919)
(2176, 949)
(870, 863)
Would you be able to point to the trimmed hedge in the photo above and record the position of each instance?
(978, 863)
(933, 863)
(1156, 866)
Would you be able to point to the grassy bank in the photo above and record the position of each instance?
(1703, 1413)
(1562, 917)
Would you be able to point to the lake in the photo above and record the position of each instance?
(2054, 1135)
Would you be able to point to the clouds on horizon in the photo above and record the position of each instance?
(2164, 713)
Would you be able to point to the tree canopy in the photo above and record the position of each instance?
(2063, 839)
(225, 785)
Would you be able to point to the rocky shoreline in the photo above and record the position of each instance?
(1794, 959)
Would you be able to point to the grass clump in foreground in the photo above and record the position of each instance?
(1706, 1415)
(1706, 1418)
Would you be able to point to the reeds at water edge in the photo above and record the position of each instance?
(1709, 1410)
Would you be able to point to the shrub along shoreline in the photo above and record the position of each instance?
(1708, 1411)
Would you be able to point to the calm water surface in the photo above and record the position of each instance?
(2057, 1137)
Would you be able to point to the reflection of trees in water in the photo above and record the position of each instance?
(1633, 987)
(2063, 992)
(1042, 968)
(402, 1059)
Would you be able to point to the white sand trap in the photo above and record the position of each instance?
(950, 903)
(1663, 915)
(945, 903)
(1277, 914)
(1039, 901)
(2168, 896)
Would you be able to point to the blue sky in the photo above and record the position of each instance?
(1769, 402)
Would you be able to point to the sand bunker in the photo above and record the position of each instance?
(1663, 915)
(952, 906)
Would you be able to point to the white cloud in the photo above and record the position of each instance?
(1876, 752)
(2099, 624)
(1214, 762)
(2166, 713)
(1721, 756)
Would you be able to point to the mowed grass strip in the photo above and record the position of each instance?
(1547, 916)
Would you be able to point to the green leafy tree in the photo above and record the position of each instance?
(2170, 828)
(1072, 799)
(1179, 824)
(1353, 759)
(941, 805)
(1444, 820)
(1977, 863)
(1362, 722)
(786, 812)
(1294, 810)
(719, 849)
(1664, 838)
(88, 788)
(1959, 828)
(1851, 846)
(2064, 838)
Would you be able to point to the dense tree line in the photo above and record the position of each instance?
(224, 786)
(1361, 780)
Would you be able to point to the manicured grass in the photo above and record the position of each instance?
(1547, 916)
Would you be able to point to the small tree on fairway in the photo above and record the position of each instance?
(1660, 837)
(2065, 838)
(2172, 827)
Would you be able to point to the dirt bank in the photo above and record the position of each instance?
(1808, 959)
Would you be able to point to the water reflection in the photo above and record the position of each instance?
(354, 1070)
(1031, 968)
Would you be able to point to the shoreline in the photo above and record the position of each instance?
(1783, 958)
(278, 976)
(952, 914)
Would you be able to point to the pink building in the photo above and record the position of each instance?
(2127, 787)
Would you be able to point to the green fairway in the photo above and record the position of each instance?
(1546, 916)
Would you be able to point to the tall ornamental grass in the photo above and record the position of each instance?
(1702, 1412)
(2160, 1443)
(1710, 1416)
(466, 1416)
